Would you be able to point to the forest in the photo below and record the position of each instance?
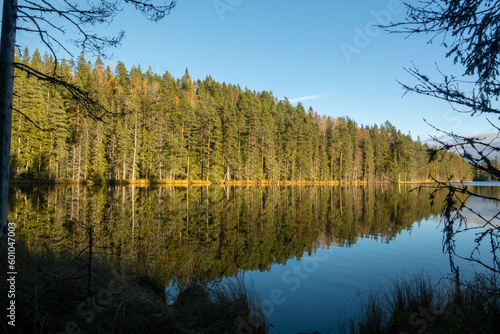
(157, 127)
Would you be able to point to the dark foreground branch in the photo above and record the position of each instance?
(479, 152)
(476, 102)
(455, 222)
(96, 110)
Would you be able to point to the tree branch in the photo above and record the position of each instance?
(29, 119)
(94, 108)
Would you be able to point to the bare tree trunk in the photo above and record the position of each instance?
(171, 155)
(340, 170)
(124, 176)
(57, 165)
(331, 166)
(79, 174)
(135, 148)
(181, 147)
(208, 152)
(73, 164)
(262, 158)
(189, 153)
(366, 169)
(7, 49)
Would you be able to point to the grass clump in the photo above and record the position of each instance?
(229, 306)
(53, 295)
(417, 305)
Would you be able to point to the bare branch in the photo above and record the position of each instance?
(479, 158)
(454, 222)
(449, 91)
(470, 30)
(29, 119)
(94, 108)
(153, 12)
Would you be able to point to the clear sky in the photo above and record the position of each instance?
(327, 54)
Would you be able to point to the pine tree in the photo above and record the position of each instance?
(210, 136)
(368, 157)
(167, 128)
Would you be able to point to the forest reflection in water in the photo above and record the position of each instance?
(208, 232)
(310, 250)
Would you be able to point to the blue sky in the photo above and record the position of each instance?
(326, 54)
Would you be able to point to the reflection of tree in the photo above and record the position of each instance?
(209, 231)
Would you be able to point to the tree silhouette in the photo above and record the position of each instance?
(41, 19)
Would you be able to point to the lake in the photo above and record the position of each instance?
(311, 252)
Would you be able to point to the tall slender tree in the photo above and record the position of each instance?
(7, 51)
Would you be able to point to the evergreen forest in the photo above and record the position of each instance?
(157, 127)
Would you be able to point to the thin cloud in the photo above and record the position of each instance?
(310, 97)
(491, 138)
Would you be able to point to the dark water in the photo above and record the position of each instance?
(311, 252)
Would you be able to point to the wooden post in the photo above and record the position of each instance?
(7, 50)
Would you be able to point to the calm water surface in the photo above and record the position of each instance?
(312, 253)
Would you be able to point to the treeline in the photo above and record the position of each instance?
(481, 175)
(163, 128)
(210, 231)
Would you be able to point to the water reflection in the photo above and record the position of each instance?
(212, 231)
(312, 251)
